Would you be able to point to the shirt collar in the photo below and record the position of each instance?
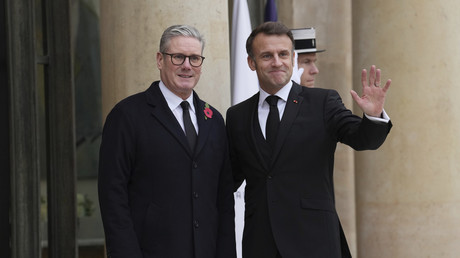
(283, 93)
(173, 100)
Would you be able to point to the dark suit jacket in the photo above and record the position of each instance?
(157, 197)
(290, 199)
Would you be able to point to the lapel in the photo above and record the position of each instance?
(205, 124)
(161, 112)
(291, 110)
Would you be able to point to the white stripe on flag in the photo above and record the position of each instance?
(244, 85)
(244, 81)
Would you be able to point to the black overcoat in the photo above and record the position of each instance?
(157, 197)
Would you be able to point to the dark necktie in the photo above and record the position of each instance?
(273, 120)
(188, 125)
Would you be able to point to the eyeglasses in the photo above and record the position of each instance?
(179, 59)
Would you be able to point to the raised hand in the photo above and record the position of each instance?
(373, 96)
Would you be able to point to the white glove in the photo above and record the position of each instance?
(296, 71)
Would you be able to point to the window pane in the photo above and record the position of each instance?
(88, 120)
(40, 43)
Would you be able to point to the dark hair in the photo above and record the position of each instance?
(268, 28)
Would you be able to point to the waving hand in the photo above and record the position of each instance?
(373, 96)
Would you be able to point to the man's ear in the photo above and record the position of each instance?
(251, 63)
(159, 60)
(295, 57)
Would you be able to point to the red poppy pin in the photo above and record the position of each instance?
(295, 101)
(207, 112)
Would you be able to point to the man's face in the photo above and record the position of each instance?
(307, 61)
(180, 79)
(273, 61)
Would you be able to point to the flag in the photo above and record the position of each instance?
(244, 80)
(244, 85)
(270, 11)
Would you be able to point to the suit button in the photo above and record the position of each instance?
(269, 177)
(195, 195)
(196, 224)
(195, 165)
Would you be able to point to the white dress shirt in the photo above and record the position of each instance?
(174, 104)
(264, 108)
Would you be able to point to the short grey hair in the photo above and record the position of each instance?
(180, 30)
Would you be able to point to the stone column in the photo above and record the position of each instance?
(408, 191)
(332, 20)
(130, 38)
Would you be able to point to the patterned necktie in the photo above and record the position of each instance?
(273, 120)
(188, 125)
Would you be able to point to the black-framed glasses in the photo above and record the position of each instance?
(179, 59)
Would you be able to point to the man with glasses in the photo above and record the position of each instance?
(165, 185)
